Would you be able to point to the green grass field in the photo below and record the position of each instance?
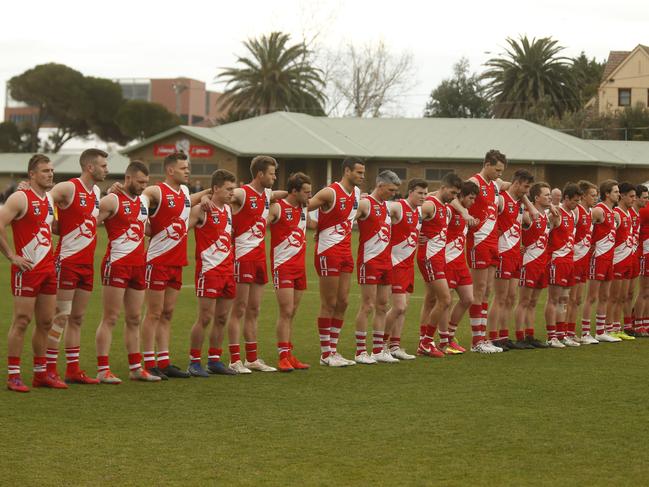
(541, 417)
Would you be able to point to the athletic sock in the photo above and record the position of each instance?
(585, 327)
(493, 335)
(377, 341)
(475, 320)
(429, 336)
(552, 331)
(214, 354)
(102, 363)
(571, 329)
(386, 338)
(251, 351)
(520, 335)
(72, 360)
(628, 323)
(422, 332)
(324, 330)
(452, 328)
(235, 352)
(443, 339)
(52, 356)
(336, 326)
(395, 343)
(149, 360)
(40, 367)
(485, 313)
(529, 332)
(503, 334)
(163, 359)
(195, 355)
(637, 324)
(600, 324)
(13, 367)
(361, 337)
(134, 361)
(283, 350)
(561, 330)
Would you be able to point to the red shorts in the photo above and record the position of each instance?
(561, 274)
(291, 278)
(123, 276)
(403, 280)
(457, 276)
(160, 277)
(250, 271)
(644, 265)
(581, 270)
(623, 270)
(509, 266)
(482, 256)
(372, 274)
(433, 268)
(600, 269)
(212, 285)
(30, 284)
(533, 276)
(333, 264)
(75, 276)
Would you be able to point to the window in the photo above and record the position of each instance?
(202, 168)
(435, 174)
(196, 119)
(624, 97)
(155, 168)
(399, 171)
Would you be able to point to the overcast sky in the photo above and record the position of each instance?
(119, 39)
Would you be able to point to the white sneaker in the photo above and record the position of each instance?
(570, 342)
(483, 347)
(384, 357)
(343, 359)
(588, 340)
(260, 366)
(605, 337)
(401, 354)
(555, 343)
(494, 349)
(332, 361)
(364, 359)
(239, 368)
(107, 377)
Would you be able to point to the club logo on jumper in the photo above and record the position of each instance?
(289, 215)
(384, 233)
(296, 238)
(43, 236)
(343, 203)
(253, 204)
(409, 217)
(127, 208)
(170, 201)
(222, 244)
(258, 230)
(176, 231)
(412, 239)
(215, 218)
(37, 209)
(135, 232)
(87, 229)
(82, 199)
(377, 210)
(510, 207)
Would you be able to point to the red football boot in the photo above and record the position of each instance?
(49, 380)
(16, 384)
(79, 377)
(297, 364)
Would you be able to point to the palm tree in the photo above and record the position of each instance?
(532, 79)
(274, 77)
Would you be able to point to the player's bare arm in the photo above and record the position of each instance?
(322, 199)
(62, 194)
(107, 208)
(277, 195)
(274, 212)
(238, 197)
(199, 198)
(14, 208)
(196, 216)
(363, 209)
(395, 209)
(597, 215)
(152, 194)
(533, 212)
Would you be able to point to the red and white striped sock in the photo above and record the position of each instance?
(637, 324)
(386, 338)
(283, 350)
(235, 352)
(485, 314)
(628, 323)
(336, 327)
(452, 328)
(195, 355)
(163, 359)
(645, 325)
(134, 361)
(475, 320)
(52, 356)
(324, 330)
(214, 354)
(40, 367)
(377, 341)
(429, 337)
(149, 360)
(552, 331)
(443, 339)
(361, 338)
(422, 332)
(13, 367)
(600, 324)
(585, 327)
(251, 351)
(561, 330)
(102, 363)
(395, 343)
(72, 359)
(571, 329)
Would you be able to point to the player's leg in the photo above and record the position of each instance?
(285, 313)
(480, 278)
(601, 318)
(73, 373)
(442, 310)
(520, 312)
(394, 323)
(465, 299)
(235, 323)
(379, 352)
(204, 316)
(613, 311)
(44, 310)
(497, 329)
(628, 310)
(365, 310)
(328, 289)
(297, 299)
(561, 319)
(112, 300)
(133, 301)
(428, 323)
(154, 299)
(622, 306)
(63, 309)
(22, 316)
(642, 305)
(554, 293)
(222, 310)
(163, 335)
(251, 316)
(337, 319)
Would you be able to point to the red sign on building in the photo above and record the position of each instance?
(196, 151)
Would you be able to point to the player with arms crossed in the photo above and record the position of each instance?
(288, 219)
(124, 214)
(30, 212)
(337, 205)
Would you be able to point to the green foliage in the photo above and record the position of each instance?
(532, 80)
(459, 96)
(275, 76)
(587, 74)
(11, 138)
(139, 119)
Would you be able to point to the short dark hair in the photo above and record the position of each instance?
(494, 156)
(570, 190)
(350, 162)
(641, 188)
(606, 187)
(536, 188)
(452, 180)
(35, 160)
(626, 187)
(523, 176)
(585, 186)
(90, 156)
(137, 166)
(261, 163)
(172, 159)
(220, 176)
(417, 183)
(469, 187)
(296, 181)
